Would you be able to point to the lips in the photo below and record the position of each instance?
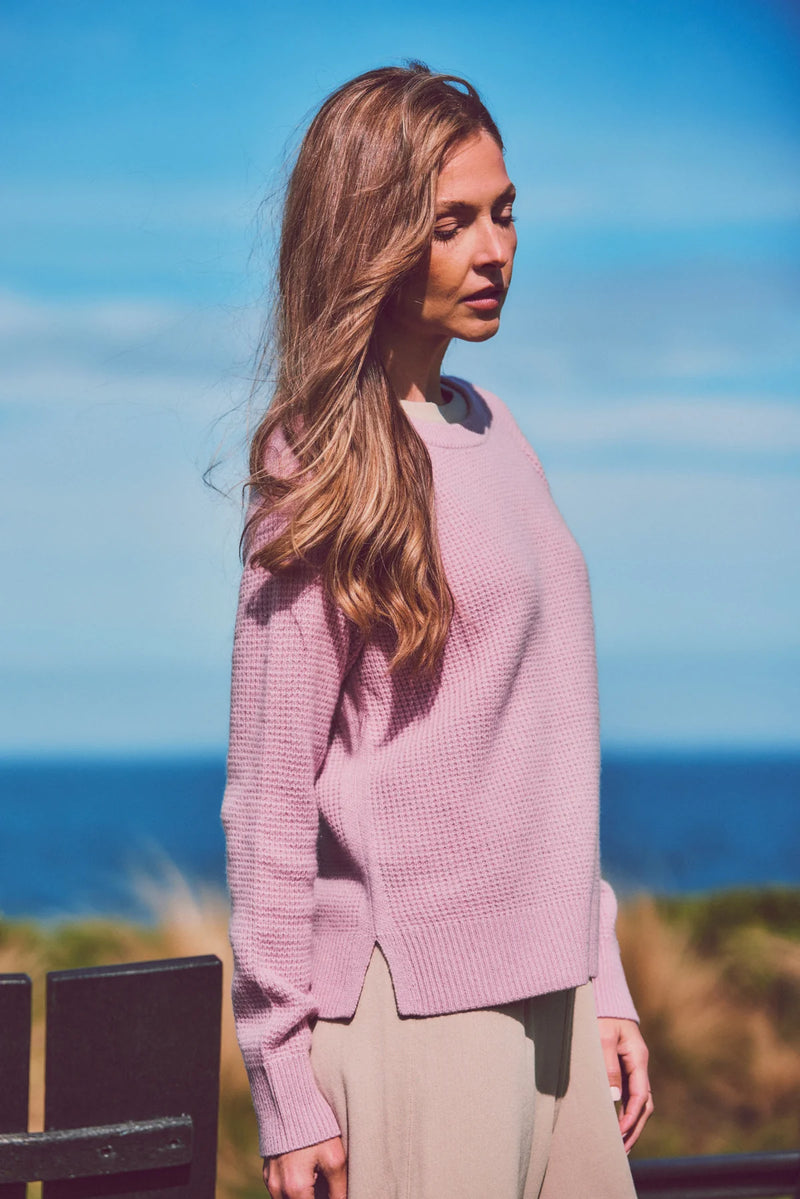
(488, 300)
(486, 293)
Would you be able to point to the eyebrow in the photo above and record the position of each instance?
(451, 206)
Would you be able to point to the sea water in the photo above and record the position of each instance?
(77, 834)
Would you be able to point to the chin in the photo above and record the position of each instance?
(482, 332)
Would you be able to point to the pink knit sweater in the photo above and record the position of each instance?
(455, 822)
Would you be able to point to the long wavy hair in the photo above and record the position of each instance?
(358, 220)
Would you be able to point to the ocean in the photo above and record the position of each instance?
(77, 834)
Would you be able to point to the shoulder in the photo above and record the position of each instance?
(498, 413)
(278, 458)
(265, 519)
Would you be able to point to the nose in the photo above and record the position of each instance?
(494, 245)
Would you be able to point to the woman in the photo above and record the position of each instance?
(411, 802)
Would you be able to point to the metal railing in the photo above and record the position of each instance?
(735, 1176)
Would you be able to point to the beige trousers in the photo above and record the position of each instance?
(507, 1102)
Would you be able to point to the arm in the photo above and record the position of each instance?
(624, 1050)
(291, 651)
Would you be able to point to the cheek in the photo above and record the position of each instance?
(411, 298)
(512, 249)
(444, 278)
(512, 238)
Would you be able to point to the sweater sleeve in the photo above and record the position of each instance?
(292, 648)
(611, 994)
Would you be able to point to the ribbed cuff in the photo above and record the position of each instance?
(291, 1110)
(611, 994)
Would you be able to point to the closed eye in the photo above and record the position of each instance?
(447, 232)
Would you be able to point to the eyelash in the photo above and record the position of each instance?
(446, 235)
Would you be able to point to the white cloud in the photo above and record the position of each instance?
(24, 316)
(649, 178)
(140, 201)
(72, 354)
(740, 424)
(726, 700)
(687, 560)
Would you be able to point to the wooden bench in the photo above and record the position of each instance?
(131, 1082)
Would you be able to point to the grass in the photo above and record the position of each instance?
(716, 979)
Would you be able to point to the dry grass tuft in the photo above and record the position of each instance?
(720, 1009)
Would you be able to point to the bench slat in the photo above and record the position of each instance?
(136, 1042)
(15, 1052)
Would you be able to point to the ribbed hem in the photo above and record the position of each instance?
(291, 1110)
(462, 964)
(339, 961)
(458, 965)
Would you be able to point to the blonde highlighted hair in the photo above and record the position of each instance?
(358, 220)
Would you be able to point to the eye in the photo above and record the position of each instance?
(445, 232)
(506, 217)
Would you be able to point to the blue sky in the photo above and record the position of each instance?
(650, 347)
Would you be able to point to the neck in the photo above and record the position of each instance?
(413, 365)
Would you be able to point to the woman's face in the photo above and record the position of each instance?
(461, 289)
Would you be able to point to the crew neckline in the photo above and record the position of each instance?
(451, 411)
(472, 431)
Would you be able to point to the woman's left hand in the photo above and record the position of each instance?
(626, 1057)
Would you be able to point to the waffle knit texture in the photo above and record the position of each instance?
(455, 821)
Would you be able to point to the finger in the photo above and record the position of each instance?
(638, 1089)
(332, 1163)
(289, 1180)
(265, 1176)
(609, 1040)
(336, 1177)
(636, 1084)
(633, 1135)
(273, 1181)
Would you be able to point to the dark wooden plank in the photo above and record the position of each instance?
(104, 1149)
(136, 1042)
(15, 1054)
